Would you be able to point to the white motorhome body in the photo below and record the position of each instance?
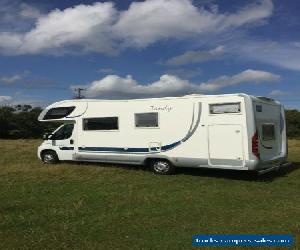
(233, 131)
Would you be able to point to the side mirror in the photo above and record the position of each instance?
(46, 136)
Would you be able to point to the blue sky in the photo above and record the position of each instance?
(129, 49)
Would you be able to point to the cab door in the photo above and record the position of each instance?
(63, 142)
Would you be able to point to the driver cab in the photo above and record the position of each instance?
(58, 145)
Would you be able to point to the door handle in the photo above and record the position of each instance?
(71, 141)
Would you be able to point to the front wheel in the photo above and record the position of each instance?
(49, 157)
(162, 167)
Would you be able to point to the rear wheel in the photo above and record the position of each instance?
(162, 167)
(49, 157)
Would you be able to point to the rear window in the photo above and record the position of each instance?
(268, 132)
(258, 108)
(224, 108)
(57, 113)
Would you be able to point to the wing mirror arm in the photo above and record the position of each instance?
(47, 136)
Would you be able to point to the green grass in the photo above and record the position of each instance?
(96, 206)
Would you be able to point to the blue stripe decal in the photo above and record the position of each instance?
(113, 149)
(128, 150)
(170, 146)
(66, 148)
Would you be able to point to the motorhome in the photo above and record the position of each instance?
(231, 131)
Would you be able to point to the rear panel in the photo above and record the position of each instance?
(270, 129)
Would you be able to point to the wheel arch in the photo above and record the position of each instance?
(150, 159)
(48, 150)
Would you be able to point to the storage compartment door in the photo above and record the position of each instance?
(225, 145)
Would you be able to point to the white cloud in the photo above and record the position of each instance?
(10, 79)
(283, 55)
(17, 9)
(105, 70)
(86, 26)
(146, 22)
(113, 86)
(296, 44)
(5, 99)
(20, 98)
(278, 93)
(102, 28)
(31, 102)
(196, 56)
(83, 25)
(28, 11)
(13, 78)
(17, 17)
(184, 73)
(249, 75)
(246, 15)
(10, 43)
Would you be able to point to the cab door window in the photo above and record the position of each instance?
(64, 132)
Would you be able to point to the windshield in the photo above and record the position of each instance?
(65, 132)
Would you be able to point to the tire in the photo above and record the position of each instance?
(162, 167)
(49, 157)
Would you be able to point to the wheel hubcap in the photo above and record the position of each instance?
(161, 166)
(48, 158)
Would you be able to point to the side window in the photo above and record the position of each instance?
(146, 120)
(268, 132)
(103, 123)
(63, 133)
(57, 113)
(224, 108)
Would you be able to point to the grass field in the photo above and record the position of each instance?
(90, 206)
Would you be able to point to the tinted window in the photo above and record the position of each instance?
(268, 132)
(56, 113)
(146, 120)
(63, 133)
(222, 108)
(258, 108)
(103, 123)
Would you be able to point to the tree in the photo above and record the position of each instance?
(6, 118)
(21, 121)
(293, 123)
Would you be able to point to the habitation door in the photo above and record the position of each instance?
(225, 145)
